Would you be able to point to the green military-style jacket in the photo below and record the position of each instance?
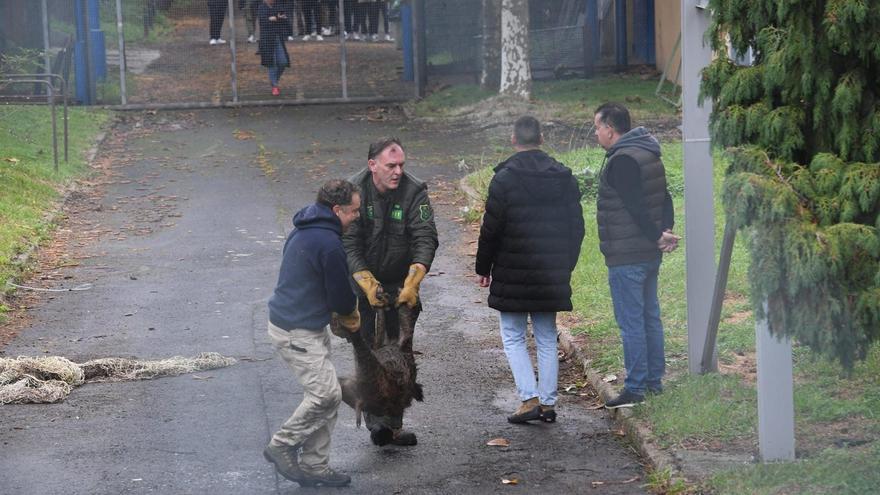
(394, 230)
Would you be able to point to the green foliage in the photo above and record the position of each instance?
(804, 128)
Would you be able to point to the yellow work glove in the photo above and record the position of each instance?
(409, 295)
(370, 286)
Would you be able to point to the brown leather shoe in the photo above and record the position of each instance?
(527, 411)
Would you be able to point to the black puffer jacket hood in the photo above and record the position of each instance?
(542, 176)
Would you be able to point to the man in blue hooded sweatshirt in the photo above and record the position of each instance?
(635, 219)
(313, 285)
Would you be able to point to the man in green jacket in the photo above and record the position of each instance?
(390, 249)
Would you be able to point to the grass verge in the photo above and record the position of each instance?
(572, 100)
(29, 183)
(837, 414)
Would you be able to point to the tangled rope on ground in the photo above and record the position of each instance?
(35, 380)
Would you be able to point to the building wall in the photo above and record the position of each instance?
(667, 27)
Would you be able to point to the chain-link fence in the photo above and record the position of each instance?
(209, 52)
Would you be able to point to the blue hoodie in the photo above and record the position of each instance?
(314, 278)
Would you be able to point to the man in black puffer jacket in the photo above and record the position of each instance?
(635, 219)
(529, 244)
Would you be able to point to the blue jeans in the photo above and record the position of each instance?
(513, 335)
(280, 59)
(637, 310)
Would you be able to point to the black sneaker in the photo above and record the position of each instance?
(548, 414)
(625, 399)
(327, 477)
(404, 438)
(286, 461)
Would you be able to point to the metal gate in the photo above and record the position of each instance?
(203, 53)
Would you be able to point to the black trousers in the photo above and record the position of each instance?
(216, 16)
(312, 14)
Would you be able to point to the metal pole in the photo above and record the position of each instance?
(775, 394)
(343, 50)
(47, 58)
(123, 93)
(710, 359)
(419, 46)
(698, 200)
(620, 33)
(231, 8)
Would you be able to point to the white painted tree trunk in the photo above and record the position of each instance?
(516, 74)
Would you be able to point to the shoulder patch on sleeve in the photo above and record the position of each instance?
(425, 212)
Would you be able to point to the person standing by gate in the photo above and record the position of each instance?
(216, 16)
(529, 244)
(273, 53)
(635, 217)
(390, 250)
(313, 284)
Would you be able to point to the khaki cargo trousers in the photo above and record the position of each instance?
(307, 353)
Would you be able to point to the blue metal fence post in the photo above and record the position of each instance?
(81, 69)
(99, 52)
(591, 37)
(651, 48)
(406, 29)
(620, 33)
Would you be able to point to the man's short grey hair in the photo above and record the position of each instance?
(527, 131)
(337, 192)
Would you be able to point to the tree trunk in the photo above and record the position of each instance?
(516, 74)
(490, 77)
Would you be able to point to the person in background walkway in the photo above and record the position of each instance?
(312, 14)
(313, 285)
(635, 219)
(371, 10)
(530, 241)
(383, 6)
(289, 9)
(216, 16)
(250, 17)
(352, 15)
(273, 53)
(332, 8)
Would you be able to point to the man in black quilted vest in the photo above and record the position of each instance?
(529, 244)
(635, 220)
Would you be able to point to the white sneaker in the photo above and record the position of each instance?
(290, 38)
(374, 37)
(356, 36)
(212, 42)
(325, 31)
(319, 37)
(306, 38)
(346, 35)
(221, 41)
(251, 39)
(388, 37)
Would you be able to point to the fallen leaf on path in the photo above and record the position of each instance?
(609, 378)
(511, 481)
(243, 135)
(198, 377)
(498, 442)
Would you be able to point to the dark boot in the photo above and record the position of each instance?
(286, 461)
(527, 411)
(381, 435)
(548, 414)
(404, 438)
(327, 477)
